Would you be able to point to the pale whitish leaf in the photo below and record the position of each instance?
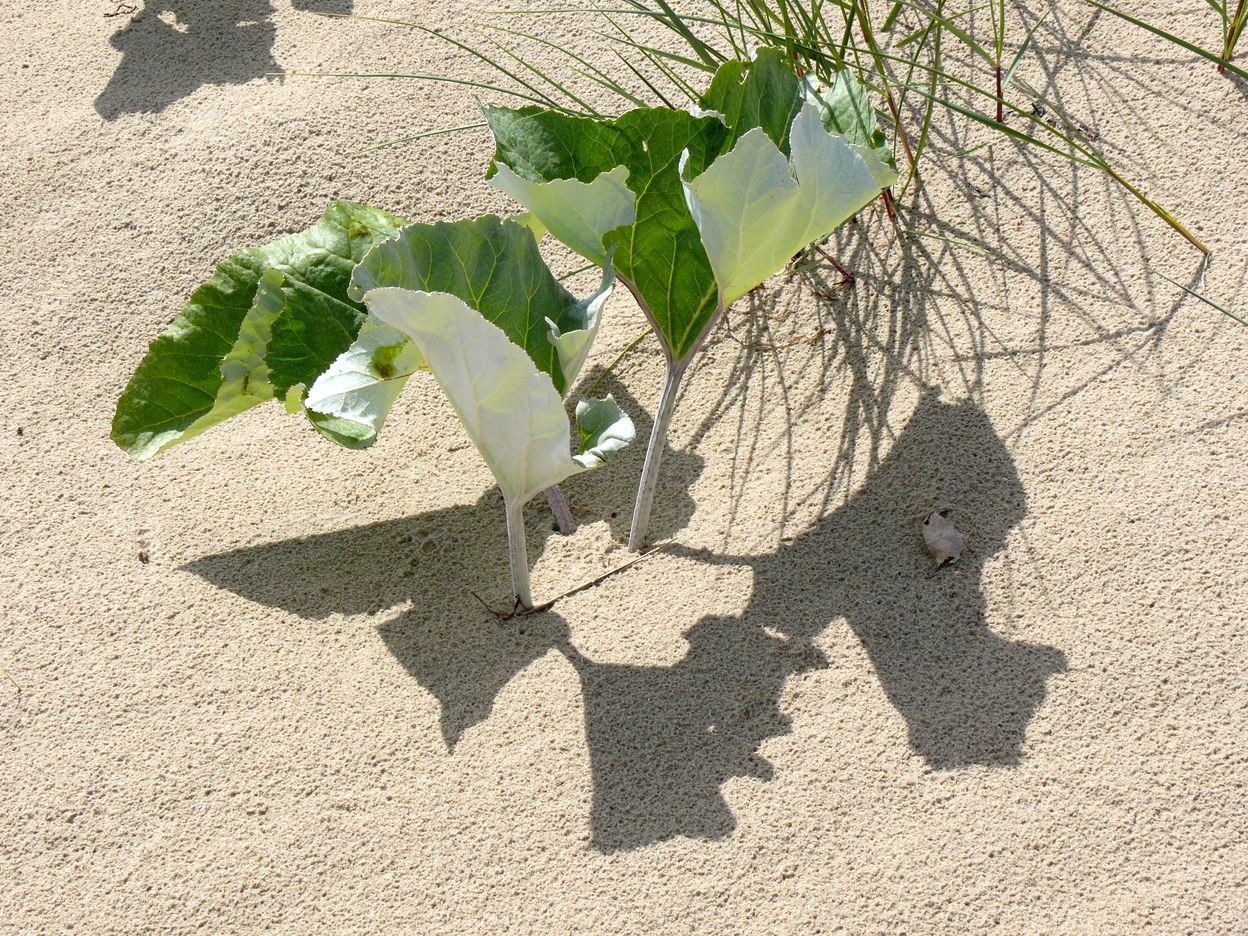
(579, 214)
(580, 328)
(349, 401)
(604, 429)
(754, 209)
(510, 409)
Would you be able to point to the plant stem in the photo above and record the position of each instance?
(868, 35)
(1000, 98)
(847, 278)
(654, 455)
(889, 206)
(519, 555)
(1234, 27)
(559, 507)
(1156, 209)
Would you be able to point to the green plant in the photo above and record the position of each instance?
(697, 208)
(240, 339)
(1233, 22)
(823, 38)
(504, 341)
(472, 301)
(692, 209)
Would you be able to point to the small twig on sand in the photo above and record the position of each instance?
(123, 9)
(497, 614)
(597, 580)
(847, 278)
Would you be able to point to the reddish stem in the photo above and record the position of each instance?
(848, 278)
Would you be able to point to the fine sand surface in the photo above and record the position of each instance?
(257, 694)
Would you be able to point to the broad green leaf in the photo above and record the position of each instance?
(761, 93)
(541, 145)
(310, 330)
(658, 253)
(496, 268)
(208, 365)
(510, 409)
(349, 402)
(754, 215)
(846, 109)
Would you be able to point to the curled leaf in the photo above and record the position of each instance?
(211, 362)
(578, 214)
(509, 408)
(349, 402)
(604, 430)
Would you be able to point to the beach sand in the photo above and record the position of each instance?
(257, 692)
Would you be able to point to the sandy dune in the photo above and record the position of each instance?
(257, 694)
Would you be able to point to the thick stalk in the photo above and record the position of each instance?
(559, 507)
(654, 455)
(519, 555)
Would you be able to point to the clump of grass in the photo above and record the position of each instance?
(904, 57)
(1232, 28)
(822, 37)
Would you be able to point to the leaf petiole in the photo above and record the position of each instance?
(654, 455)
(518, 554)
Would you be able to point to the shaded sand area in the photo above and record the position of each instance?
(257, 694)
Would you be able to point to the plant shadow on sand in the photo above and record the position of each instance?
(456, 650)
(173, 47)
(663, 740)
